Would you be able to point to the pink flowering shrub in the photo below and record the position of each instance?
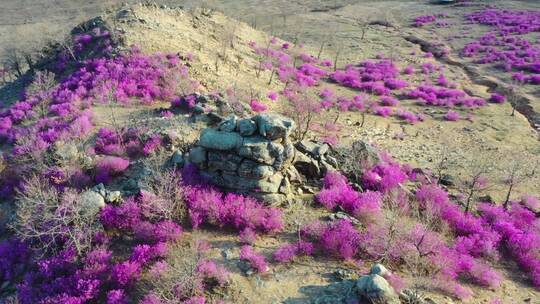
(288, 252)
(385, 176)
(452, 116)
(207, 205)
(378, 77)
(520, 233)
(256, 260)
(337, 192)
(110, 166)
(497, 98)
(258, 106)
(506, 45)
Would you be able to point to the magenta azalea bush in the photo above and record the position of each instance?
(209, 206)
(255, 259)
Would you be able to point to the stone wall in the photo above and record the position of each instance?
(252, 156)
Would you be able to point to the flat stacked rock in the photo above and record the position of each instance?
(252, 156)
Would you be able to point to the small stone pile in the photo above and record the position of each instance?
(252, 156)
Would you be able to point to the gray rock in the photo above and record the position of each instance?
(379, 269)
(294, 176)
(113, 197)
(198, 155)
(228, 125)
(222, 161)
(258, 148)
(218, 140)
(274, 126)
(344, 216)
(177, 159)
(375, 288)
(283, 154)
(267, 185)
(91, 202)
(285, 187)
(313, 148)
(100, 188)
(325, 167)
(365, 153)
(247, 127)
(306, 166)
(331, 160)
(272, 199)
(198, 109)
(414, 296)
(447, 180)
(344, 274)
(213, 117)
(251, 169)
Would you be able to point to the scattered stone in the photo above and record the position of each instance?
(343, 216)
(92, 202)
(313, 148)
(344, 274)
(100, 188)
(379, 269)
(447, 180)
(177, 159)
(375, 288)
(113, 197)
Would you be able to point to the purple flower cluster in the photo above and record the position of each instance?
(376, 77)
(256, 260)
(444, 97)
(504, 45)
(519, 230)
(210, 206)
(337, 192)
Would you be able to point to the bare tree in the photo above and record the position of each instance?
(14, 60)
(181, 279)
(164, 182)
(474, 180)
(51, 220)
(338, 48)
(517, 171)
(41, 87)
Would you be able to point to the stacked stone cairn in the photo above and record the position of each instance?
(251, 156)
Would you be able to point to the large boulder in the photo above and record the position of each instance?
(91, 203)
(313, 148)
(365, 153)
(376, 289)
(274, 126)
(219, 140)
